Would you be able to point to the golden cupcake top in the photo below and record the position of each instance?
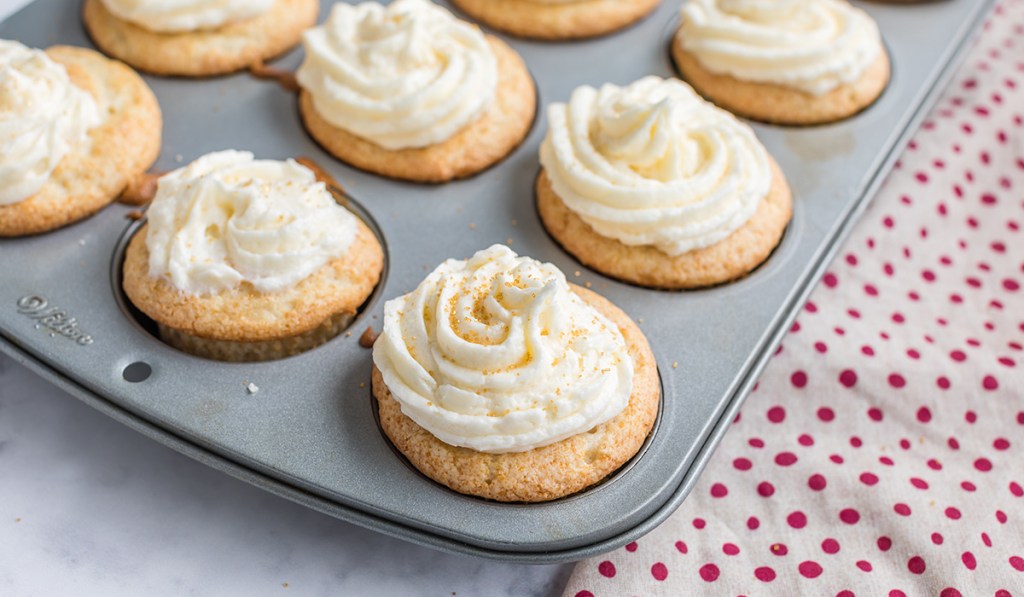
(227, 219)
(653, 164)
(404, 75)
(497, 353)
(813, 46)
(43, 116)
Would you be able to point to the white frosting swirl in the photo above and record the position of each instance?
(404, 75)
(654, 164)
(226, 219)
(178, 16)
(496, 353)
(43, 115)
(810, 45)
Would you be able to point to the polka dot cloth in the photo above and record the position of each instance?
(883, 452)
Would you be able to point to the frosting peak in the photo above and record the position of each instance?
(404, 75)
(810, 45)
(498, 354)
(43, 115)
(654, 164)
(178, 16)
(226, 218)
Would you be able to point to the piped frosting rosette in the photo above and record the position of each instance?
(654, 164)
(810, 45)
(496, 353)
(404, 75)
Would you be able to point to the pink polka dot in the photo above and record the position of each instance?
(968, 559)
(937, 538)
(918, 483)
(797, 520)
(849, 516)
(953, 513)
(809, 569)
(875, 414)
(709, 572)
(730, 549)
(902, 509)
(779, 549)
(764, 574)
(659, 571)
(845, 593)
(1016, 489)
(986, 540)
(777, 414)
(990, 383)
(755, 442)
(848, 377)
(785, 458)
(826, 414)
(631, 547)
(1017, 562)
(1003, 593)
(897, 593)
(584, 594)
(950, 592)
(681, 547)
(698, 523)
(817, 482)
(868, 478)
(916, 565)
(830, 546)
(968, 486)
(719, 490)
(943, 382)
(896, 380)
(924, 415)
(742, 464)
(753, 523)
(983, 464)
(935, 465)
(765, 489)
(1001, 516)
(884, 543)
(798, 379)
(805, 440)
(864, 565)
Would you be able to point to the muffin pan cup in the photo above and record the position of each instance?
(304, 427)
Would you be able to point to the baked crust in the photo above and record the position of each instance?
(544, 473)
(576, 20)
(783, 105)
(732, 258)
(122, 146)
(243, 314)
(476, 147)
(218, 51)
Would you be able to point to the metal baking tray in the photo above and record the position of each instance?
(309, 433)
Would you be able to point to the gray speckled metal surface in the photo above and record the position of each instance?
(309, 431)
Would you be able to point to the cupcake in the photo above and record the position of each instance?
(409, 91)
(193, 38)
(652, 185)
(783, 61)
(249, 260)
(557, 19)
(497, 378)
(75, 129)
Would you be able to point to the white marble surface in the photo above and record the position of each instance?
(89, 507)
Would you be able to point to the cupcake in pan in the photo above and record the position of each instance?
(197, 38)
(249, 260)
(783, 61)
(75, 129)
(409, 91)
(557, 19)
(499, 379)
(651, 184)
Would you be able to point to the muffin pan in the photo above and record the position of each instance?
(304, 427)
